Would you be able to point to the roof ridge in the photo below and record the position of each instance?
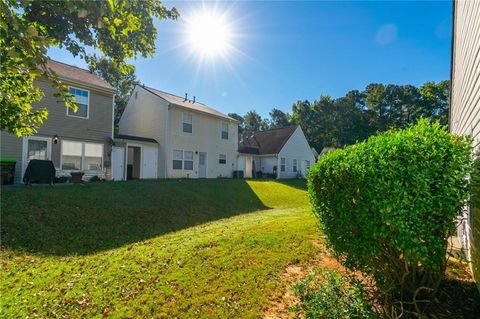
(180, 97)
(276, 128)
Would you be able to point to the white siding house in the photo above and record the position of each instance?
(279, 153)
(194, 140)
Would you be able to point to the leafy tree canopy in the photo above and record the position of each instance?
(118, 29)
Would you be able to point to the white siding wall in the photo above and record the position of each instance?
(206, 137)
(465, 88)
(267, 163)
(297, 148)
(146, 116)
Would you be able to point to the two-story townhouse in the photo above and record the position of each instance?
(74, 141)
(194, 140)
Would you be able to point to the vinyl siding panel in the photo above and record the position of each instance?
(296, 147)
(465, 105)
(97, 128)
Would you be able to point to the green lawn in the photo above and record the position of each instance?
(166, 249)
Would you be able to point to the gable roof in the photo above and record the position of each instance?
(188, 104)
(70, 72)
(265, 142)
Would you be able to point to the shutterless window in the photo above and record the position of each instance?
(187, 123)
(93, 157)
(188, 160)
(222, 159)
(307, 164)
(225, 131)
(71, 155)
(294, 166)
(283, 164)
(82, 99)
(177, 159)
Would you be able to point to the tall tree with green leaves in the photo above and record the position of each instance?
(254, 122)
(279, 119)
(119, 30)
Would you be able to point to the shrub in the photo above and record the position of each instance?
(387, 207)
(328, 295)
(475, 217)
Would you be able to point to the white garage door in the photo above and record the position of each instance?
(150, 158)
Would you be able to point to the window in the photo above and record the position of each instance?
(188, 160)
(222, 159)
(187, 123)
(225, 131)
(307, 164)
(183, 159)
(82, 156)
(177, 159)
(82, 99)
(283, 164)
(294, 166)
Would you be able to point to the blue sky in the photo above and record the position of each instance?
(288, 51)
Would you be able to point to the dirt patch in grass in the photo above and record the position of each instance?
(458, 298)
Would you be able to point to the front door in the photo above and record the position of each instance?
(118, 163)
(150, 158)
(35, 147)
(202, 165)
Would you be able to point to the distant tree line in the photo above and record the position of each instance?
(329, 122)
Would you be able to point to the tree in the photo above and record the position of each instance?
(254, 122)
(279, 119)
(119, 30)
(123, 82)
(240, 120)
(435, 100)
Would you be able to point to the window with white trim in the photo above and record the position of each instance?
(177, 159)
(307, 164)
(82, 156)
(182, 160)
(294, 166)
(222, 159)
(82, 99)
(283, 164)
(225, 131)
(188, 160)
(187, 120)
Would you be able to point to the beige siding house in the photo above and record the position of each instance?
(464, 117)
(73, 141)
(194, 140)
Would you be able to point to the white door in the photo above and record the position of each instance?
(202, 165)
(149, 159)
(118, 163)
(35, 147)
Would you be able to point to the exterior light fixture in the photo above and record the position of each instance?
(56, 139)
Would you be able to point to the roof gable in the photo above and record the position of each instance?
(70, 72)
(265, 142)
(182, 102)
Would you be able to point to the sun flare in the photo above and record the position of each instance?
(209, 34)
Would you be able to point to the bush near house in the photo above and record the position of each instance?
(387, 207)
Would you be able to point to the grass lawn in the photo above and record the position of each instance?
(141, 249)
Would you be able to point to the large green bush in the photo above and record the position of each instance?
(387, 207)
(475, 212)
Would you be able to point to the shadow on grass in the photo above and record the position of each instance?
(83, 219)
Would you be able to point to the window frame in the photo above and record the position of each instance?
(220, 159)
(188, 160)
(88, 103)
(183, 122)
(284, 164)
(294, 165)
(183, 160)
(226, 132)
(82, 164)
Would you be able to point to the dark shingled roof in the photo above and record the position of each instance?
(70, 72)
(264, 142)
(134, 138)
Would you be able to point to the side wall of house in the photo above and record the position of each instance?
(206, 137)
(465, 101)
(297, 148)
(146, 115)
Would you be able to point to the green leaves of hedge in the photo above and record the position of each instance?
(388, 205)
